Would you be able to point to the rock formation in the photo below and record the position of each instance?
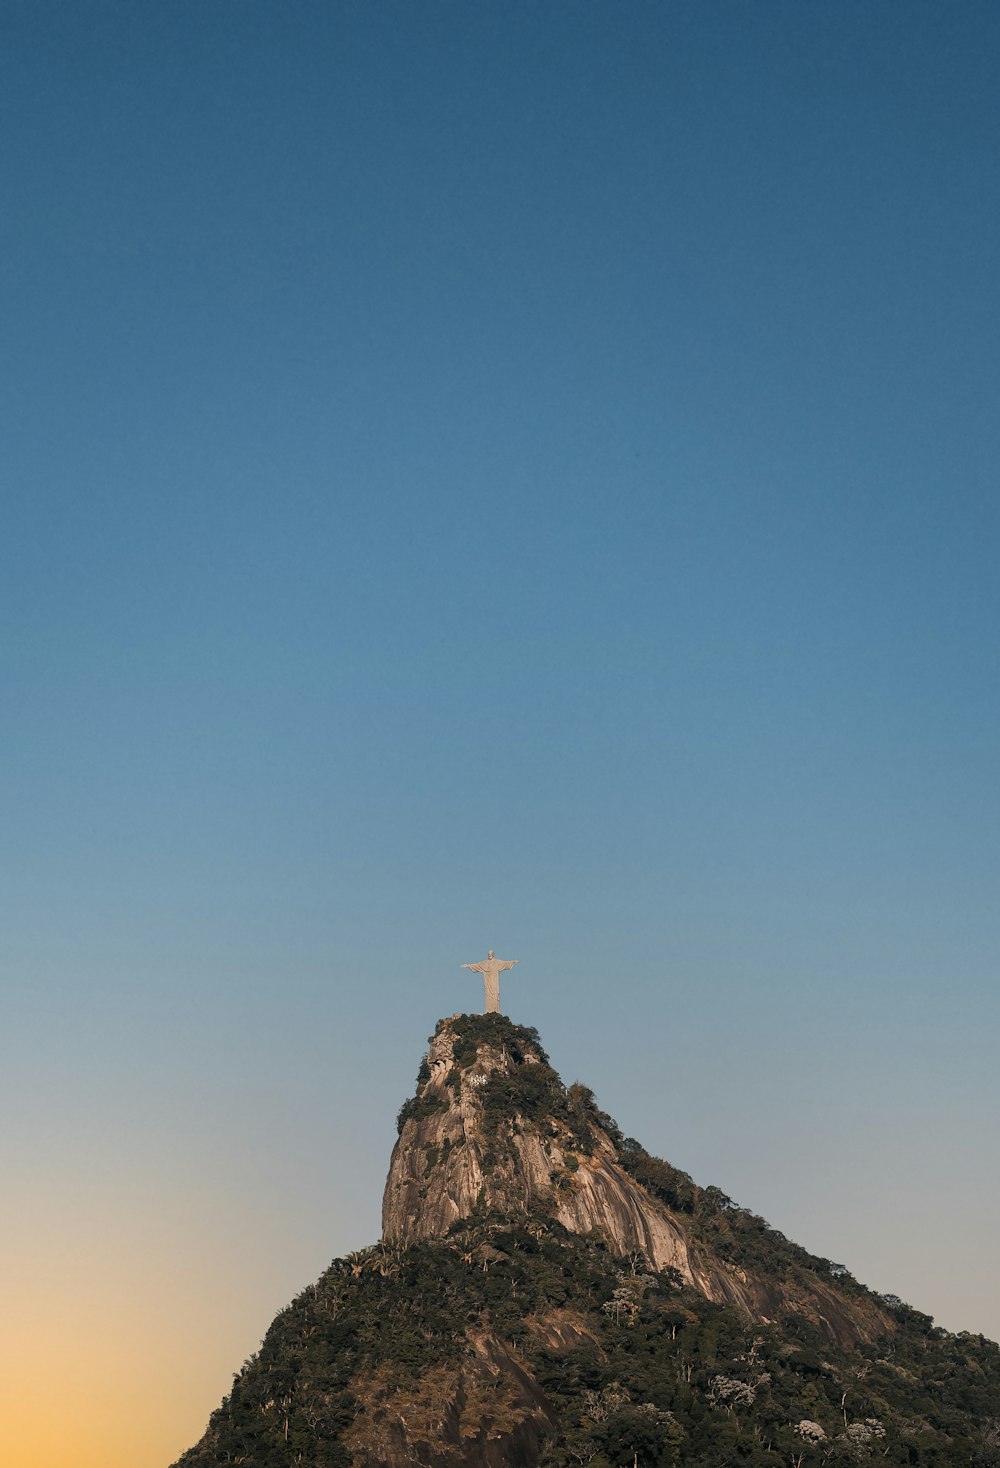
(546, 1292)
(451, 1156)
(492, 1126)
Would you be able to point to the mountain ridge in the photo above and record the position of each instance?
(491, 1115)
(546, 1292)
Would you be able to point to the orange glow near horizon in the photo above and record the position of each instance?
(121, 1337)
(94, 1370)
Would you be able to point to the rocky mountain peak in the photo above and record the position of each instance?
(492, 1130)
(490, 1127)
(546, 1291)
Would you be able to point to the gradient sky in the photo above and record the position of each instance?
(485, 474)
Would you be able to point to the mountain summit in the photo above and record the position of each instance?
(493, 1127)
(546, 1292)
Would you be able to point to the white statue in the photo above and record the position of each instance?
(490, 968)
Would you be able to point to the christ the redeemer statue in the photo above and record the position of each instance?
(491, 968)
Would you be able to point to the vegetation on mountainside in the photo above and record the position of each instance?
(434, 1353)
(656, 1374)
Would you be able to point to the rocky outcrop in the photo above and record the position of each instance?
(491, 1128)
(485, 1411)
(453, 1158)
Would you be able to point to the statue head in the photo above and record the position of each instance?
(490, 954)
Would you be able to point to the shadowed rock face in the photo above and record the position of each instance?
(487, 1412)
(461, 1151)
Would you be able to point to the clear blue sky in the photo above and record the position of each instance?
(517, 475)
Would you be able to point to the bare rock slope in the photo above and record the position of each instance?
(492, 1128)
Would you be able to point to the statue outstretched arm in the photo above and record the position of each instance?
(510, 962)
(476, 967)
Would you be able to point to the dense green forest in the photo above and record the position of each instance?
(655, 1373)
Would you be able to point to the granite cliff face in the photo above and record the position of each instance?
(454, 1155)
(492, 1129)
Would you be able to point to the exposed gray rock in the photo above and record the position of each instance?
(452, 1159)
